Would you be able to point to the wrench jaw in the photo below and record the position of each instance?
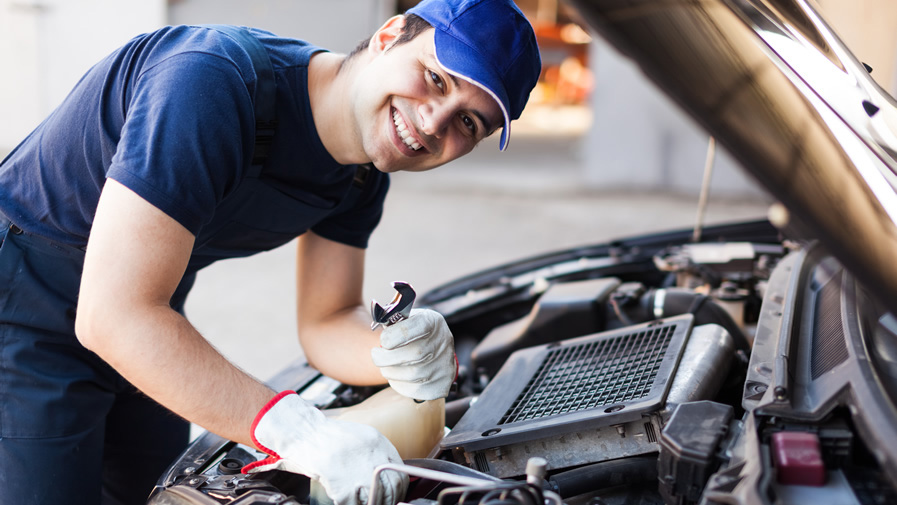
(398, 309)
(377, 314)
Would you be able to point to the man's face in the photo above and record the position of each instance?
(413, 115)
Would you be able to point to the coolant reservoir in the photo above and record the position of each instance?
(413, 428)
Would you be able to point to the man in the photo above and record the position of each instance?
(148, 165)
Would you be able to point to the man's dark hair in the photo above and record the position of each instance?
(414, 26)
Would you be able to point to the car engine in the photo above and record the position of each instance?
(740, 369)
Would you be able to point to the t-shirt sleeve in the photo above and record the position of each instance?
(187, 125)
(354, 225)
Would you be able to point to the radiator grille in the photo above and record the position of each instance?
(593, 375)
(829, 347)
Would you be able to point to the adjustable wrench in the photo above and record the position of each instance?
(398, 309)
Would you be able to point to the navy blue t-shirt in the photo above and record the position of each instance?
(170, 116)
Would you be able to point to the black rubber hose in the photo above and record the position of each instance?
(455, 409)
(706, 311)
(616, 472)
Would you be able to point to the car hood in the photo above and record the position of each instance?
(771, 82)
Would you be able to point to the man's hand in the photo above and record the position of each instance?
(341, 455)
(417, 356)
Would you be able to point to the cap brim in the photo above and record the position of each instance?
(458, 59)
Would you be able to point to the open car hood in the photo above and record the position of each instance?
(771, 82)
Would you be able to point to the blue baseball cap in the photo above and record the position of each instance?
(488, 43)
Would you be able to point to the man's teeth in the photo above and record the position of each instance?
(403, 132)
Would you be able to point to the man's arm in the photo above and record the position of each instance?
(333, 322)
(415, 355)
(136, 256)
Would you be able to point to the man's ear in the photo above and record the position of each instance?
(387, 34)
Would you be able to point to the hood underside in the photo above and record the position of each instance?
(772, 83)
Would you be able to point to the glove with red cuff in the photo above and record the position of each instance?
(340, 455)
(417, 356)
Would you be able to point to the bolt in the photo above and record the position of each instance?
(536, 470)
(781, 393)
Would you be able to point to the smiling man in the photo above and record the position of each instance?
(420, 122)
(197, 143)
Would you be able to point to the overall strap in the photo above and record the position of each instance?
(364, 177)
(265, 93)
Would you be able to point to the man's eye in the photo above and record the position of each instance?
(469, 123)
(436, 79)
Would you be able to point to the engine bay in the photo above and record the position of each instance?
(741, 369)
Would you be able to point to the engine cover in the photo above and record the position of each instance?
(578, 391)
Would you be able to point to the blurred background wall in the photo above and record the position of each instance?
(335, 24)
(47, 45)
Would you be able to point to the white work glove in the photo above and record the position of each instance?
(341, 455)
(417, 356)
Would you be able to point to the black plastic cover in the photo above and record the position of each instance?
(688, 446)
(597, 380)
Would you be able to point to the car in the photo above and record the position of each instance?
(754, 364)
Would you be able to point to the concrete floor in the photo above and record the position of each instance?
(483, 210)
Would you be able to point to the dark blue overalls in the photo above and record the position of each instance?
(66, 417)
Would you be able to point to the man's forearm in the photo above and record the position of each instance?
(161, 353)
(340, 346)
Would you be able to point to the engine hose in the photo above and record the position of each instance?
(616, 472)
(675, 301)
(455, 409)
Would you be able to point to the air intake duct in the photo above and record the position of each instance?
(660, 303)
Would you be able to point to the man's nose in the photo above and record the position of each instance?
(435, 116)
